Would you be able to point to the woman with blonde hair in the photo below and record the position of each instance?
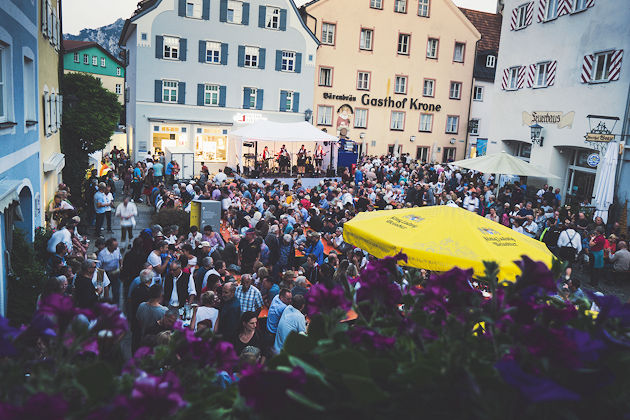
(205, 311)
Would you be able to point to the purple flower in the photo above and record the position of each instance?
(265, 390)
(142, 352)
(536, 278)
(60, 308)
(362, 335)
(7, 334)
(449, 293)
(321, 299)
(41, 405)
(377, 285)
(156, 397)
(611, 307)
(109, 318)
(534, 388)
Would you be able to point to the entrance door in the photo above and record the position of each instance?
(582, 184)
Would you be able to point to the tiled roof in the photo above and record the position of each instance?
(69, 44)
(142, 6)
(489, 25)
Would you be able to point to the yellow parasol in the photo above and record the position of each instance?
(439, 238)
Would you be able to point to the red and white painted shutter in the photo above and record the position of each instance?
(531, 71)
(513, 19)
(615, 65)
(530, 14)
(590, 3)
(587, 68)
(504, 80)
(551, 72)
(542, 5)
(565, 7)
(521, 77)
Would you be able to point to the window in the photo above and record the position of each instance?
(272, 20)
(478, 95)
(76, 57)
(251, 101)
(86, 59)
(251, 57)
(579, 5)
(452, 122)
(449, 154)
(365, 43)
(288, 61)
(455, 92)
(540, 77)
(3, 83)
(193, 9)
(376, 4)
(118, 71)
(403, 43)
(426, 123)
(397, 121)
(169, 91)
(400, 6)
(473, 127)
(213, 52)
(235, 12)
(328, 33)
(144, 36)
(103, 62)
(363, 80)
(491, 60)
(118, 89)
(551, 12)
(325, 76)
(513, 78)
(423, 8)
(458, 52)
(432, 48)
(211, 95)
(94, 60)
(171, 47)
(601, 66)
(400, 86)
(30, 90)
(524, 150)
(324, 115)
(428, 87)
(360, 117)
(422, 153)
(288, 105)
(521, 16)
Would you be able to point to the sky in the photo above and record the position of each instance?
(80, 14)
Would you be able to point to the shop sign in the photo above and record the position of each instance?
(389, 102)
(593, 160)
(599, 137)
(248, 118)
(549, 117)
(347, 98)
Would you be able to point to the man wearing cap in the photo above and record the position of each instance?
(249, 251)
(101, 205)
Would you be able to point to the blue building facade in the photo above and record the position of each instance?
(19, 129)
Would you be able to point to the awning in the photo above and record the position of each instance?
(8, 192)
(55, 163)
(298, 132)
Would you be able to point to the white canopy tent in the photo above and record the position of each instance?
(281, 133)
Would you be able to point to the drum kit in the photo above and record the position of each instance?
(280, 164)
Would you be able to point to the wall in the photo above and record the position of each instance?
(108, 70)
(108, 82)
(482, 110)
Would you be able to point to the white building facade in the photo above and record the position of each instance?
(197, 69)
(556, 66)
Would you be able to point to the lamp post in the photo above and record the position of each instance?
(308, 114)
(536, 134)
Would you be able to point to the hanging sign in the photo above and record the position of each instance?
(599, 137)
(593, 160)
(549, 117)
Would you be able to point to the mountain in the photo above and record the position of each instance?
(107, 36)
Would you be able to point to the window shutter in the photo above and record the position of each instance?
(241, 56)
(551, 73)
(223, 10)
(278, 60)
(283, 100)
(224, 53)
(59, 110)
(159, 46)
(181, 93)
(53, 113)
(262, 54)
(46, 113)
(296, 102)
(530, 14)
(262, 16)
(615, 65)
(587, 68)
(57, 122)
(259, 99)
(298, 62)
(44, 18)
(202, 51)
(205, 14)
(158, 91)
(513, 19)
(48, 18)
(245, 16)
(283, 19)
(542, 4)
(200, 94)
(564, 7)
(531, 71)
(182, 49)
(590, 3)
(505, 78)
(55, 27)
(182, 8)
(222, 96)
(247, 94)
(521, 77)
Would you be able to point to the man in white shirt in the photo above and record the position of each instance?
(179, 287)
(220, 177)
(291, 320)
(569, 242)
(530, 228)
(471, 202)
(62, 235)
(155, 258)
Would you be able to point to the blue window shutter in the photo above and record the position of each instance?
(181, 93)
(245, 17)
(262, 53)
(259, 99)
(283, 20)
(296, 102)
(182, 49)
(298, 62)
(262, 16)
(200, 93)
(278, 60)
(222, 96)
(283, 100)
(247, 94)
(202, 51)
(205, 14)
(182, 8)
(159, 46)
(241, 56)
(224, 53)
(223, 10)
(158, 91)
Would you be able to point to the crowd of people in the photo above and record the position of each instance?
(248, 278)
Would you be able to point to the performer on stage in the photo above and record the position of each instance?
(284, 161)
(319, 158)
(301, 160)
(266, 157)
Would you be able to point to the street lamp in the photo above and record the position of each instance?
(537, 137)
(308, 114)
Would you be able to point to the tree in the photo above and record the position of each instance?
(90, 116)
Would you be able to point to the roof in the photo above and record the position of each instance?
(70, 45)
(489, 25)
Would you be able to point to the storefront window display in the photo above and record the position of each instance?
(211, 144)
